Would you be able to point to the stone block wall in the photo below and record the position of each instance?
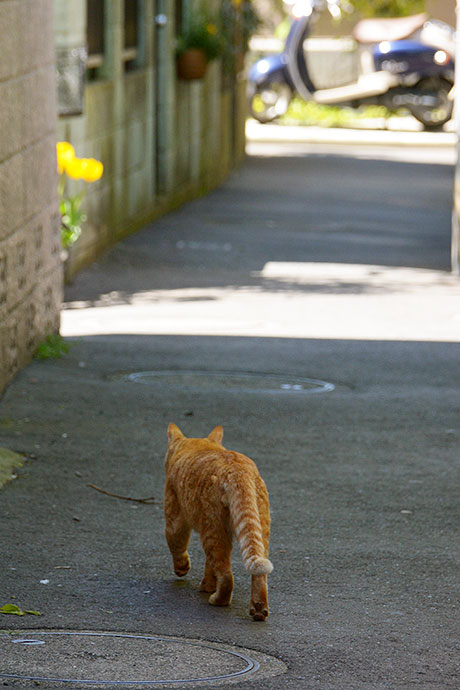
(30, 262)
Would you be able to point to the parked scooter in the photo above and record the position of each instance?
(405, 62)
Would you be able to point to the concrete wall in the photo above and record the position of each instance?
(30, 264)
(442, 9)
(162, 141)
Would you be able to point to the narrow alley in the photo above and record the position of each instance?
(307, 306)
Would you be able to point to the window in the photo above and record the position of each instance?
(179, 18)
(95, 34)
(132, 46)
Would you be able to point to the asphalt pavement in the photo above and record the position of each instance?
(307, 306)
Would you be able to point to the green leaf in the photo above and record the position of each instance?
(12, 609)
(72, 218)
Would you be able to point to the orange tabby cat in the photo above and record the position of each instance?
(218, 493)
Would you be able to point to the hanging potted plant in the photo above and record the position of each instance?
(199, 43)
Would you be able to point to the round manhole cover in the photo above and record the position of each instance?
(102, 658)
(230, 381)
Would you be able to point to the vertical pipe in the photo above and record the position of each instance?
(165, 94)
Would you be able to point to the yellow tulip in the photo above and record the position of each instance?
(65, 153)
(92, 169)
(74, 168)
(87, 169)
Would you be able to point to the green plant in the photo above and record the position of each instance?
(52, 348)
(72, 218)
(69, 166)
(239, 21)
(201, 31)
(250, 21)
(308, 113)
(388, 8)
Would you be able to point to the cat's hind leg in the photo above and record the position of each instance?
(209, 581)
(258, 608)
(177, 533)
(224, 587)
(218, 548)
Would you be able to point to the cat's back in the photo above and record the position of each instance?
(203, 458)
(204, 472)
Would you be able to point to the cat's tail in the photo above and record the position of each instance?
(248, 530)
(259, 566)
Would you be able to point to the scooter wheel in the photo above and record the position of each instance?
(435, 107)
(269, 101)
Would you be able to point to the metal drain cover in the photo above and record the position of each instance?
(118, 659)
(231, 381)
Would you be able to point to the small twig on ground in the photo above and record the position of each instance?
(150, 499)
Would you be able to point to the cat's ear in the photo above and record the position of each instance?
(174, 433)
(216, 434)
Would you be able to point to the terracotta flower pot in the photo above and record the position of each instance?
(192, 64)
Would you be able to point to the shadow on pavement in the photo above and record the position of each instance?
(315, 208)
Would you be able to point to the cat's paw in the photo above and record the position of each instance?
(258, 610)
(220, 600)
(182, 566)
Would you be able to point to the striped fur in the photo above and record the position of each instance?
(246, 523)
(220, 494)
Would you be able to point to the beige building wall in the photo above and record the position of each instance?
(437, 9)
(162, 140)
(442, 9)
(30, 263)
